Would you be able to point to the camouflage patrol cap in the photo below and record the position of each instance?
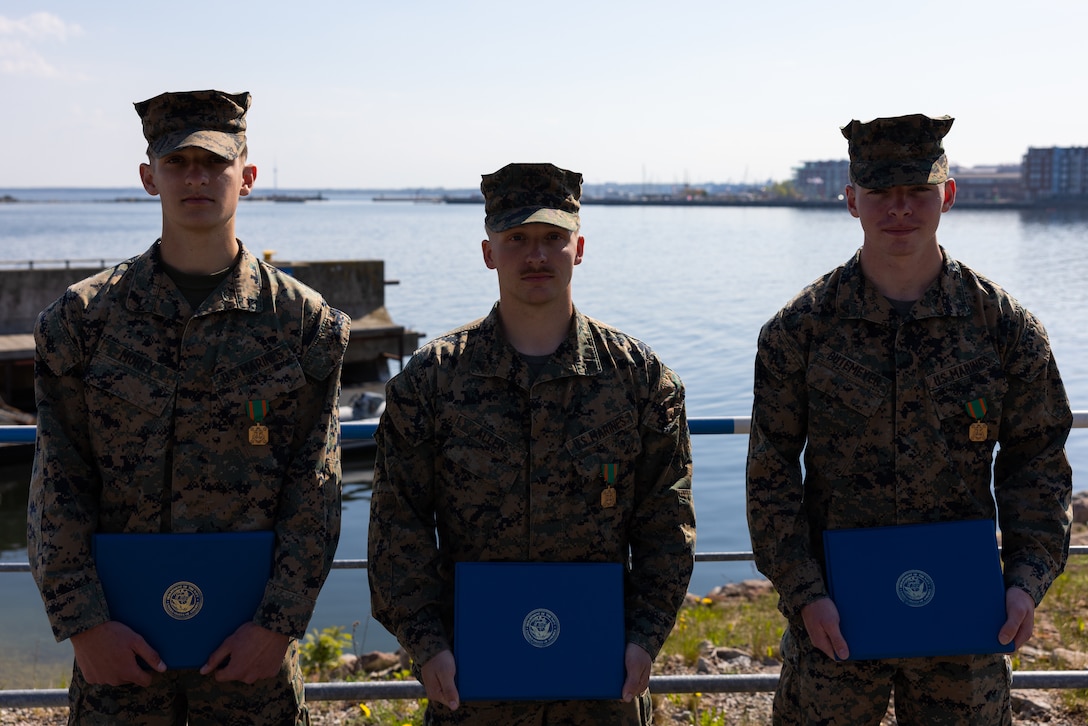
(210, 120)
(523, 193)
(888, 152)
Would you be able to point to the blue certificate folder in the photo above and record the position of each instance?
(917, 589)
(184, 593)
(539, 630)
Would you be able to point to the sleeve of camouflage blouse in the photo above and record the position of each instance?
(776, 519)
(64, 488)
(1032, 477)
(403, 557)
(662, 530)
(308, 521)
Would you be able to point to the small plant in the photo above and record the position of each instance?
(395, 713)
(694, 713)
(1065, 604)
(320, 651)
(755, 627)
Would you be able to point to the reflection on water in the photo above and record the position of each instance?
(1055, 215)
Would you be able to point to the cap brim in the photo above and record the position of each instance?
(884, 174)
(528, 215)
(228, 146)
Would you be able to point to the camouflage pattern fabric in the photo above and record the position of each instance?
(210, 120)
(898, 151)
(477, 463)
(535, 713)
(962, 690)
(523, 193)
(879, 406)
(186, 697)
(143, 426)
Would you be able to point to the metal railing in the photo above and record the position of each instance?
(374, 690)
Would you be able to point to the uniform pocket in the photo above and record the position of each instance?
(953, 388)
(117, 371)
(483, 456)
(268, 376)
(843, 397)
(605, 461)
(979, 385)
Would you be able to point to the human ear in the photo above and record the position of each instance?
(949, 195)
(147, 179)
(249, 176)
(851, 200)
(485, 248)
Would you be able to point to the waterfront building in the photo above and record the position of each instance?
(1056, 174)
(999, 184)
(821, 180)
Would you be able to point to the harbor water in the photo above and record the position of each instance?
(696, 283)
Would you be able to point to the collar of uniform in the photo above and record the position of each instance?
(152, 291)
(856, 298)
(494, 356)
(949, 297)
(242, 289)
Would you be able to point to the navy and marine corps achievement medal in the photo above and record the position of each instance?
(257, 410)
(977, 409)
(608, 496)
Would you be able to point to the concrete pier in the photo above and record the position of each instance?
(356, 287)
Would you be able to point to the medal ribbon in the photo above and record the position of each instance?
(608, 471)
(257, 409)
(976, 409)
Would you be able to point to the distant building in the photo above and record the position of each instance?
(988, 184)
(821, 180)
(1056, 174)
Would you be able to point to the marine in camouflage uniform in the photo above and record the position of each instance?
(143, 426)
(485, 455)
(881, 395)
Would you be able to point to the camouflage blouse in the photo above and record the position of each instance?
(145, 411)
(476, 462)
(898, 418)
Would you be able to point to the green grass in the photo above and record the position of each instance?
(754, 626)
(1065, 607)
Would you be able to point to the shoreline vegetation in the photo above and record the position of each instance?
(733, 629)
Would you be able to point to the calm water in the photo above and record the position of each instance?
(697, 284)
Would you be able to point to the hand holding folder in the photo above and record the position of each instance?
(113, 654)
(187, 595)
(249, 654)
(920, 590)
(438, 679)
(1020, 618)
(822, 623)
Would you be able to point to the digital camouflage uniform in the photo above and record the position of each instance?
(504, 469)
(143, 427)
(877, 403)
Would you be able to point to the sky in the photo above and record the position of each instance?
(422, 94)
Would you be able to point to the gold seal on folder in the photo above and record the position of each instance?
(182, 600)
